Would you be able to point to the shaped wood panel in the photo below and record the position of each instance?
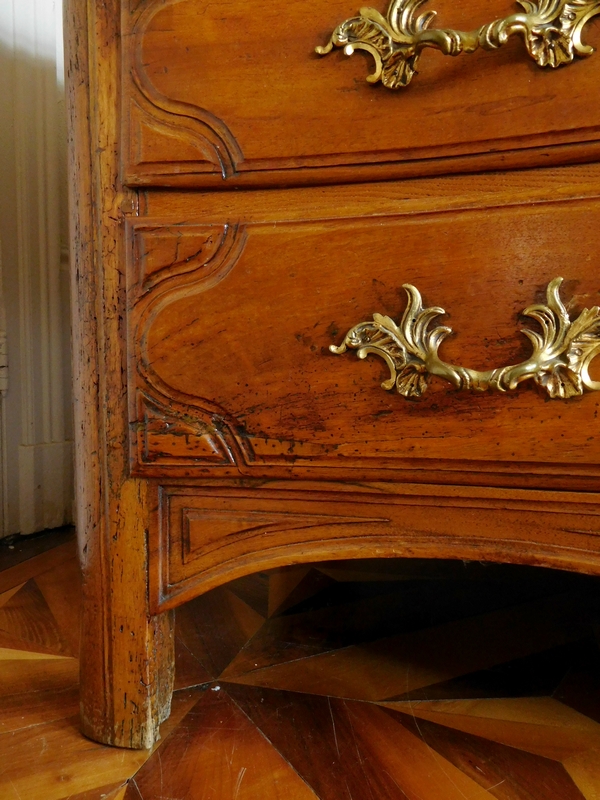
(205, 534)
(237, 95)
(231, 325)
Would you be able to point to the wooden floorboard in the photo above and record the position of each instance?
(16, 549)
(366, 680)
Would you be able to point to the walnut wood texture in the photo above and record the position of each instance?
(207, 534)
(126, 655)
(397, 679)
(43, 754)
(364, 679)
(241, 98)
(281, 404)
(216, 432)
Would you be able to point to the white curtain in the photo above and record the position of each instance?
(36, 451)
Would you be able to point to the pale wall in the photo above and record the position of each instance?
(37, 431)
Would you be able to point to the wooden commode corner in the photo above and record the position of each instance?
(248, 215)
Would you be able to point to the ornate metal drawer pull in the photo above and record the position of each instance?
(561, 356)
(551, 30)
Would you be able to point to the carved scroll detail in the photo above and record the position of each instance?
(214, 141)
(170, 434)
(159, 139)
(192, 429)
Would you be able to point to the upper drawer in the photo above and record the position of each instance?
(234, 94)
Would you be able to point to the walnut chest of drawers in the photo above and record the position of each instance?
(248, 216)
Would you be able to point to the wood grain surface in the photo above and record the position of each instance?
(216, 435)
(126, 653)
(269, 110)
(214, 533)
(375, 679)
(506, 725)
(291, 403)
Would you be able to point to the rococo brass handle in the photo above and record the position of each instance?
(561, 356)
(551, 30)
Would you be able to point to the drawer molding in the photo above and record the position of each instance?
(196, 311)
(551, 32)
(205, 535)
(160, 124)
(561, 356)
(191, 117)
(172, 433)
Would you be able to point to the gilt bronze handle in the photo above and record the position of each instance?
(551, 30)
(561, 356)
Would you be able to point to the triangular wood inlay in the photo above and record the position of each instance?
(506, 772)
(26, 621)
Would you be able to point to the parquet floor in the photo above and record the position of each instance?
(369, 680)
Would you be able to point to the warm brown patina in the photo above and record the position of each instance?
(217, 433)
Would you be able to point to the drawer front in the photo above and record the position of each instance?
(231, 324)
(234, 94)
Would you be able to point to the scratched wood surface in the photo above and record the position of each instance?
(171, 93)
(357, 680)
(295, 403)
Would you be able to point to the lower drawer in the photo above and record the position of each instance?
(233, 314)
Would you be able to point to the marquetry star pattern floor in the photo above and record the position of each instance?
(366, 680)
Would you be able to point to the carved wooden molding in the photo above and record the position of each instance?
(166, 263)
(201, 531)
(156, 136)
(209, 534)
(175, 120)
(163, 252)
(165, 434)
(191, 434)
(174, 143)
